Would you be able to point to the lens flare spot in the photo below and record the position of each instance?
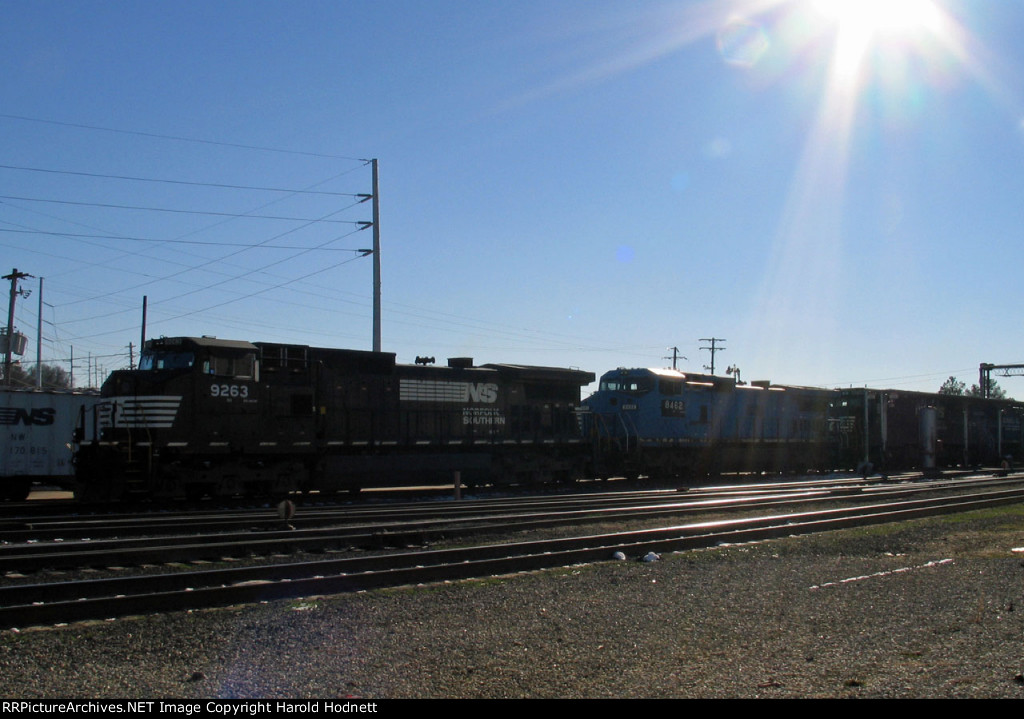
(742, 43)
(718, 148)
(624, 254)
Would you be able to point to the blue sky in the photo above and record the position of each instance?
(567, 183)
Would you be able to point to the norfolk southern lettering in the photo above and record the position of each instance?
(42, 416)
(425, 390)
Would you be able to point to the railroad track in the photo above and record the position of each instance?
(375, 528)
(17, 528)
(34, 604)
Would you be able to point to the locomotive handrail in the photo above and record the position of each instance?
(636, 432)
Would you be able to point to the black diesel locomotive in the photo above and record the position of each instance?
(203, 416)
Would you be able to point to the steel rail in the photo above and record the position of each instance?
(17, 528)
(138, 551)
(94, 527)
(148, 550)
(74, 525)
(27, 604)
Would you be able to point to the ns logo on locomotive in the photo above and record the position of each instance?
(203, 416)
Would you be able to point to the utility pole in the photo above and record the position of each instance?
(39, 339)
(376, 259)
(713, 348)
(674, 357)
(13, 277)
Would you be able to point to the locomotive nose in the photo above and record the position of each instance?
(127, 383)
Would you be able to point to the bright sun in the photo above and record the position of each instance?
(880, 16)
(861, 24)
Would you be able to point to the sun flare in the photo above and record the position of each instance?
(863, 24)
(882, 17)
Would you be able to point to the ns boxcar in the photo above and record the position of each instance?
(203, 416)
(36, 441)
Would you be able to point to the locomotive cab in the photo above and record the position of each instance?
(632, 406)
(152, 433)
(663, 423)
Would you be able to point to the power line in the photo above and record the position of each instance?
(363, 253)
(201, 265)
(189, 242)
(130, 178)
(178, 138)
(259, 292)
(242, 215)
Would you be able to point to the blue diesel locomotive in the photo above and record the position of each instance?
(664, 423)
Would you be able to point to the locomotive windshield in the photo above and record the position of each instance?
(166, 360)
(627, 384)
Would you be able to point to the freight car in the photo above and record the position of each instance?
(36, 444)
(664, 423)
(203, 416)
(895, 429)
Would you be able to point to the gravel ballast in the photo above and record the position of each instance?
(931, 608)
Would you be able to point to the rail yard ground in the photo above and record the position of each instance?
(929, 608)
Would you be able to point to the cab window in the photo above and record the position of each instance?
(240, 367)
(166, 360)
(627, 384)
(671, 386)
